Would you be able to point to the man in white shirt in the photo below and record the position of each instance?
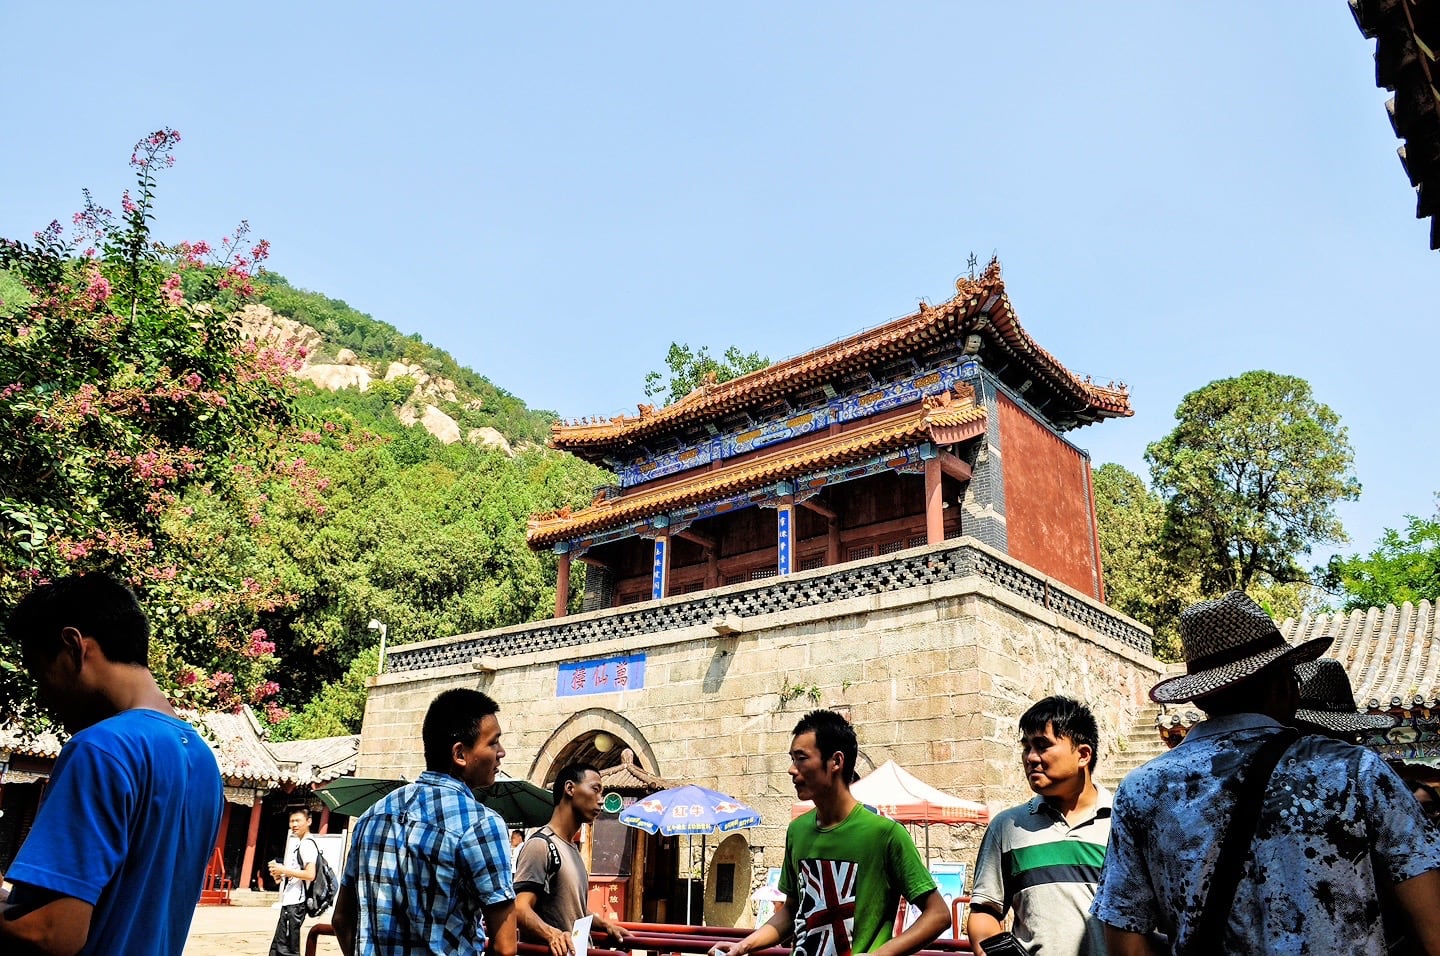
(293, 874)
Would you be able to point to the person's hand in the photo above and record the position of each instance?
(559, 941)
(274, 870)
(619, 934)
(724, 949)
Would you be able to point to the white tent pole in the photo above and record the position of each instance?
(689, 870)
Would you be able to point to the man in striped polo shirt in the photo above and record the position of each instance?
(1042, 859)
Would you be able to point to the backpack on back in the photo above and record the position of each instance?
(320, 892)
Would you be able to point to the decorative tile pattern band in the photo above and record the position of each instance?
(903, 571)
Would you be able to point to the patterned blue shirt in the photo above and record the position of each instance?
(424, 861)
(1336, 821)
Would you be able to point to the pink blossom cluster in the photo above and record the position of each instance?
(97, 289)
(73, 550)
(275, 713)
(192, 254)
(155, 147)
(92, 222)
(259, 644)
(263, 690)
(171, 291)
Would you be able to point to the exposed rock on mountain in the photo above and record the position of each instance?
(491, 437)
(434, 421)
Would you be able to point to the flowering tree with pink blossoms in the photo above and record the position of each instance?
(128, 398)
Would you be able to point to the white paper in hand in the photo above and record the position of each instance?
(580, 935)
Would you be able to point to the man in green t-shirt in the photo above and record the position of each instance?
(846, 867)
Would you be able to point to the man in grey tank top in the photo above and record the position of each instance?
(551, 882)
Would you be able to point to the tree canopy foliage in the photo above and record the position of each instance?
(262, 522)
(123, 406)
(1250, 477)
(690, 368)
(1404, 566)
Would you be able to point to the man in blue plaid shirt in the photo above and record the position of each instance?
(429, 861)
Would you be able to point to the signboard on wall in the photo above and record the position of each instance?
(604, 675)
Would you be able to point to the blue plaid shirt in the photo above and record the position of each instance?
(424, 861)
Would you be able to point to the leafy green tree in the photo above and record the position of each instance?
(1140, 581)
(338, 709)
(123, 403)
(1250, 476)
(1405, 566)
(689, 369)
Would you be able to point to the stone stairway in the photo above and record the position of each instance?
(1140, 745)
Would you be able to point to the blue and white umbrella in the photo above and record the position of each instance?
(689, 810)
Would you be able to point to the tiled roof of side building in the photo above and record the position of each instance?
(245, 758)
(1392, 654)
(873, 439)
(979, 305)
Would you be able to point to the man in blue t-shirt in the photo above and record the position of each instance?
(115, 859)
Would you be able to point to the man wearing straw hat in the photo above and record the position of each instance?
(1222, 853)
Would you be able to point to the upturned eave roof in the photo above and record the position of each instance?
(788, 461)
(1407, 62)
(979, 305)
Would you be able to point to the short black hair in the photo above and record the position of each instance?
(833, 734)
(1068, 718)
(570, 773)
(454, 717)
(295, 810)
(95, 604)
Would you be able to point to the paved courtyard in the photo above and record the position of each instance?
(242, 931)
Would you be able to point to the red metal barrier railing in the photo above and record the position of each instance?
(671, 939)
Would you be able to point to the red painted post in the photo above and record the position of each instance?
(562, 584)
(251, 839)
(934, 504)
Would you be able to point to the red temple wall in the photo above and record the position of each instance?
(1049, 511)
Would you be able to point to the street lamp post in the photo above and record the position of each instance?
(376, 625)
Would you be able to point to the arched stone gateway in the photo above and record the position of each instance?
(595, 736)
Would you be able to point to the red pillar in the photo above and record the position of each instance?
(832, 542)
(934, 504)
(562, 585)
(324, 819)
(251, 839)
(224, 829)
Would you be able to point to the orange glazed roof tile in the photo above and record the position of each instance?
(841, 449)
(979, 305)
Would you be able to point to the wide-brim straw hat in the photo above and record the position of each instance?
(1327, 702)
(1226, 641)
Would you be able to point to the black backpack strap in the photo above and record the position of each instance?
(1208, 934)
(552, 862)
(552, 855)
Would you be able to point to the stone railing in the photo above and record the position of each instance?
(917, 567)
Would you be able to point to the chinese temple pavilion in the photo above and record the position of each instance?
(947, 422)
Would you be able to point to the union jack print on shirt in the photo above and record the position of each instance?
(826, 920)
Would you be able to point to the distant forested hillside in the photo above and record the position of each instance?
(375, 341)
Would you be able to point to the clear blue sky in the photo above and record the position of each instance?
(554, 192)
